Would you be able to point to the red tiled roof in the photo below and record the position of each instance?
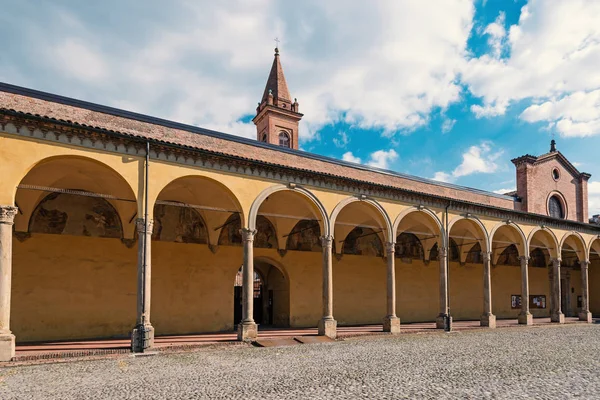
(53, 106)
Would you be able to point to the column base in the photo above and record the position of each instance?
(7, 346)
(391, 324)
(558, 318)
(328, 327)
(525, 318)
(142, 338)
(488, 320)
(440, 321)
(247, 331)
(585, 316)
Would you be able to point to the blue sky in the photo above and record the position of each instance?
(450, 90)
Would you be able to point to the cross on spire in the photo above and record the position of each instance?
(277, 45)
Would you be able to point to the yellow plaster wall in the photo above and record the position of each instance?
(72, 287)
(417, 290)
(506, 281)
(466, 291)
(18, 156)
(192, 288)
(594, 282)
(359, 290)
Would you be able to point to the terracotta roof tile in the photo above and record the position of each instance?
(125, 122)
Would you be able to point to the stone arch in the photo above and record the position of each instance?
(430, 221)
(594, 244)
(574, 239)
(516, 231)
(210, 199)
(418, 209)
(548, 238)
(74, 176)
(473, 226)
(313, 200)
(373, 204)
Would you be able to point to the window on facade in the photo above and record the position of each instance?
(284, 139)
(555, 207)
(264, 138)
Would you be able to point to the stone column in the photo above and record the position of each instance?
(142, 336)
(7, 339)
(327, 325)
(557, 315)
(487, 318)
(585, 314)
(391, 323)
(247, 329)
(444, 311)
(525, 317)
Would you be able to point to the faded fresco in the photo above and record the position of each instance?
(305, 236)
(453, 254)
(537, 258)
(69, 214)
(363, 242)
(474, 255)
(265, 237)
(179, 224)
(409, 246)
(509, 256)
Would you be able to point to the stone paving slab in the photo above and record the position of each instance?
(542, 362)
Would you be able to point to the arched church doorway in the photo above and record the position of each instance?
(271, 296)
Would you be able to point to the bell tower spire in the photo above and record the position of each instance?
(277, 117)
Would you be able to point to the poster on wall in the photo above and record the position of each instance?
(515, 301)
(537, 301)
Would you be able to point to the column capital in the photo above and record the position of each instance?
(7, 214)
(487, 256)
(327, 241)
(584, 264)
(443, 252)
(524, 259)
(556, 262)
(248, 234)
(140, 226)
(390, 247)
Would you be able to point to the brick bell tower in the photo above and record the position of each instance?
(277, 118)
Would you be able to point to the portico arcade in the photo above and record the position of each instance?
(74, 252)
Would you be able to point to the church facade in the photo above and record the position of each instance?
(116, 224)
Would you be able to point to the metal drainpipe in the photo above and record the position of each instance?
(143, 340)
(447, 319)
(145, 262)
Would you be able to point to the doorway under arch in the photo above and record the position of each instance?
(271, 295)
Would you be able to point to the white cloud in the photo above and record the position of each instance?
(497, 34)
(348, 156)
(447, 125)
(577, 114)
(553, 53)
(341, 141)
(443, 177)
(477, 159)
(593, 198)
(76, 59)
(489, 110)
(206, 62)
(382, 158)
(503, 191)
(379, 158)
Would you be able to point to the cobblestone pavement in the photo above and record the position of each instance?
(537, 363)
